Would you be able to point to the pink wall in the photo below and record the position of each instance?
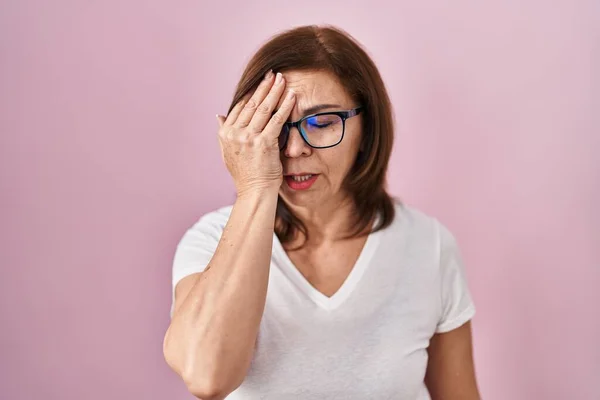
(108, 152)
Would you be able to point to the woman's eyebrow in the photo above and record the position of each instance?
(314, 109)
(317, 108)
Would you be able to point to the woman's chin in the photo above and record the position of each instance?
(299, 198)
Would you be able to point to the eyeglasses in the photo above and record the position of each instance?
(321, 130)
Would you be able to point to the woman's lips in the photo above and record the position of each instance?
(303, 185)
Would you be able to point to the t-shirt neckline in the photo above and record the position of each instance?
(348, 286)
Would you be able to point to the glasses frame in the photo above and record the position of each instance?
(344, 115)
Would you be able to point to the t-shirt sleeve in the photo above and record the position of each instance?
(195, 250)
(457, 304)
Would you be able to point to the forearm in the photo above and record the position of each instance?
(213, 332)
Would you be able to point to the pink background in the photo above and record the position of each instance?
(108, 152)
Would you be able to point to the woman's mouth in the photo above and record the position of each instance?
(301, 181)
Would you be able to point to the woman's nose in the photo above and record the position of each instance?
(296, 146)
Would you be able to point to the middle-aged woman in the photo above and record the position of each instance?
(315, 283)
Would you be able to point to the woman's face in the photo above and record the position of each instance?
(331, 165)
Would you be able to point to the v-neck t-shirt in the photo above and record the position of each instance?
(368, 340)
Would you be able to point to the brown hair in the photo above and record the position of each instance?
(331, 49)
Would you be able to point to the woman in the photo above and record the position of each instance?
(316, 284)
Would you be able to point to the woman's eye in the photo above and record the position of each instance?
(322, 125)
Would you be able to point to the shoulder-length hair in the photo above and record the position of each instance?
(331, 49)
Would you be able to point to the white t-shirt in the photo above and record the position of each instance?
(369, 340)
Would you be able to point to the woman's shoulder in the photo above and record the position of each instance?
(419, 224)
(214, 220)
(412, 216)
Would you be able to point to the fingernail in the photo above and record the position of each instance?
(278, 78)
(269, 74)
(291, 94)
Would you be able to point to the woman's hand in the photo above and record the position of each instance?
(249, 136)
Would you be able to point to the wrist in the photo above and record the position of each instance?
(258, 193)
(257, 202)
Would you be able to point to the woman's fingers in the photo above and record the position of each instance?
(235, 112)
(221, 119)
(273, 128)
(257, 97)
(265, 109)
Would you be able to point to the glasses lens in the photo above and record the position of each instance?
(323, 130)
(285, 131)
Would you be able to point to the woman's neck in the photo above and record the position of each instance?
(329, 222)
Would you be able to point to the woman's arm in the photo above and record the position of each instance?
(210, 341)
(450, 371)
(212, 335)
